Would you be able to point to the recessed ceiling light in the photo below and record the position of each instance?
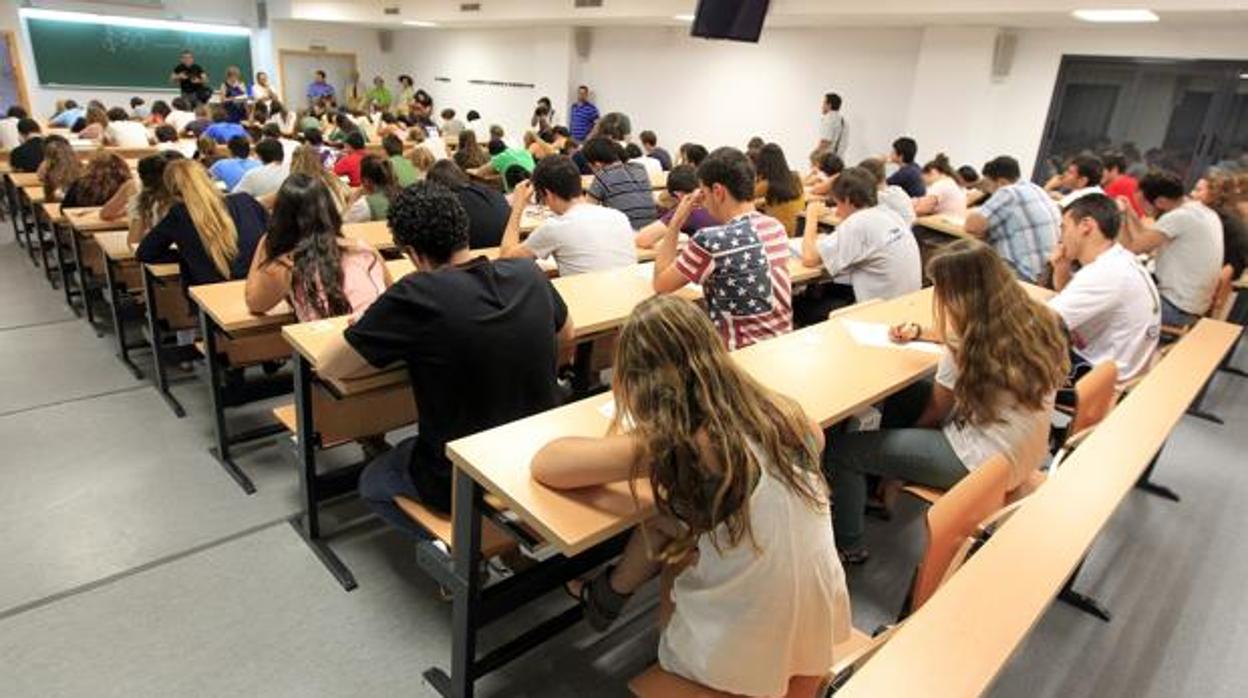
(1126, 15)
(683, 18)
(419, 23)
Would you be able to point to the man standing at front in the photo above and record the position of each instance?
(319, 89)
(833, 131)
(192, 80)
(582, 116)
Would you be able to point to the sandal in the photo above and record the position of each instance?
(601, 603)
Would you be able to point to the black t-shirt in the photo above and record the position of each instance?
(487, 215)
(176, 228)
(910, 178)
(185, 74)
(28, 156)
(479, 341)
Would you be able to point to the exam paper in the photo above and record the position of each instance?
(874, 334)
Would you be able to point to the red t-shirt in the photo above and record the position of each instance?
(349, 165)
(1125, 185)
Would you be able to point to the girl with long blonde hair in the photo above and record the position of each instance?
(215, 235)
(60, 168)
(1005, 356)
(734, 471)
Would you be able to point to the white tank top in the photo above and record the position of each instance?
(748, 620)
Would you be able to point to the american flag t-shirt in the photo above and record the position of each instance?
(743, 268)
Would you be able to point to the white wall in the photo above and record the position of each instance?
(334, 38)
(43, 99)
(723, 93)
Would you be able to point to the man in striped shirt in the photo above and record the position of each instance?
(742, 264)
(582, 116)
(623, 186)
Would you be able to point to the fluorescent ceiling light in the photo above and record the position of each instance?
(683, 18)
(88, 18)
(419, 23)
(1127, 15)
(1243, 76)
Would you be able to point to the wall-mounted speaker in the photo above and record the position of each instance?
(385, 40)
(1003, 55)
(583, 40)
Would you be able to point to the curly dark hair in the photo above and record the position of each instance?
(428, 218)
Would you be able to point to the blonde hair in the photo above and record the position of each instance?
(422, 159)
(61, 168)
(691, 405)
(189, 182)
(307, 160)
(1002, 340)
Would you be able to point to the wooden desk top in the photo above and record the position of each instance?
(87, 220)
(25, 179)
(164, 271)
(115, 245)
(957, 643)
(949, 225)
(33, 194)
(53, 213)
(226, 303)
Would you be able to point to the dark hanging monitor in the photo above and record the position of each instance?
(735, 20)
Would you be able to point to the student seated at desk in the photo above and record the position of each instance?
(826, 166)
(378, 188)
(742, 263)
(944, 196)
(152, 201)
(102, 179)
(229, 171)
(779, 187)
(203, 120)
(67, 115)
(650, 146)
(1219, 190)
(1005, 356)
(158, 115)
(288, 144)
(871, 255)
(1081, 175)
(29, 155)
(167, 140)
(908, 176)
(633, 153)
(124, 133)
(1186, 241)
(682, 181)
(503, 158)
(480, 340)
(1019, 219)
(348, 164)
(1110, 306)
(181, 115)
(305, 259)
(487, 209)
(622, 186)
(469, 154)
(207, 152)
(286, 120)
(59, 169)
(268, 177)
(404, 171)
(93, 124)
(9, 137)
(215, 235)
(742, 523)
(307, 160)
(221, 130)
(888, 195)
(580, 236)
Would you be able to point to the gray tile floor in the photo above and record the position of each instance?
(134, 566)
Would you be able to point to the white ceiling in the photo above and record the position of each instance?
(1016, 13)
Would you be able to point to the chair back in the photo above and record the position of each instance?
(1094, 396)
(1220, 309)
(954, 519)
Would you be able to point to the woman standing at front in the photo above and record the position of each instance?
(234, 95)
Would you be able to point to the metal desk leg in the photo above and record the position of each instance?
(467, 589)
(84, 285)
(119, 322)
(61, 261)
(215, 391)
(158, 353)
(308, 525)
(10, 196)
(582, 369)
(43, 245)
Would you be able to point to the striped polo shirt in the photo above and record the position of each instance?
(625, 187)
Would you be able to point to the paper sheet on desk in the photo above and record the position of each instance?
(645, 270)
(607, 409)
(873, 334)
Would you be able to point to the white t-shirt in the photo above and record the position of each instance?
(654, 168)
(950, 198)
(1078, 194)
(262, 180)
(187, 148)
(1189, 262)
(179, 119)
(126, 134)
(1021, 434)
(435, 145)
(1113, 312)
(9, 137)
(747, 620)
(261, 93)
(288, 124)
(896, 199)
(875, 251)
(585, 238)
(288, 150)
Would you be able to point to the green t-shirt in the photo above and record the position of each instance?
(309, 122)
(510, 157)
(378, 206)
(404, 171)
(379, 96)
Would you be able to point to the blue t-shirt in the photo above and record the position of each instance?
(68, 118)
(910, 178)
(223, 131)
(231, 170)
(581, 119)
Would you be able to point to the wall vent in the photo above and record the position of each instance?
(586, 3)
(469, 7)
(390, 10)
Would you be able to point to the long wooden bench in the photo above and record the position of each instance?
(957, 644)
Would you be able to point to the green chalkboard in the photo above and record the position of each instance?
(82, 54)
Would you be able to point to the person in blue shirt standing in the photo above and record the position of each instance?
(222, 129)
(230, 170)
(319, 89)
(583, 115)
